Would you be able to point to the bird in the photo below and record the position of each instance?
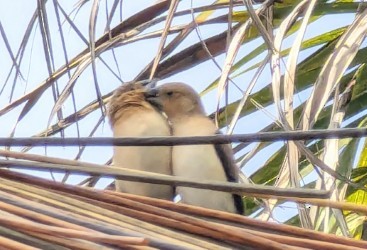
(185, 112)
(131, 115)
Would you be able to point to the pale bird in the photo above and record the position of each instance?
(184, 110)
(131, 115)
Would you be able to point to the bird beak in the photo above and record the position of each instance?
(152, 96)
(149, 84)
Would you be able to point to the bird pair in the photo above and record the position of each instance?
(136, 111)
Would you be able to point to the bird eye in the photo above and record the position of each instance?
(170, 93)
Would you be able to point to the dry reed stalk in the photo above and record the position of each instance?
(9, 244)
(304, 242)
(237, 237)
(143, 176)
(111, 204)
(256, 224)
(41, 217)
(294, 135)
(28, 226)
(67, 242)
(86, 221)
(191, 225)
(31, 228)
(76, 206)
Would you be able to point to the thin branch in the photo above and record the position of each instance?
(186, 140)
(147, 177)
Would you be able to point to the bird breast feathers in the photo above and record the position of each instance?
(150, 123)
(198, 162)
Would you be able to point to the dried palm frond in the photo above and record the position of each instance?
(40, 213)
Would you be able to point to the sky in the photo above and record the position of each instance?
(15, 16)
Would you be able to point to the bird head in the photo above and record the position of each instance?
(175, 100)
(125, 88)
(124, 97)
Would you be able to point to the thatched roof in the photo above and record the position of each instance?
(38, 213)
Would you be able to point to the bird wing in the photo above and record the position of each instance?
(225, 154)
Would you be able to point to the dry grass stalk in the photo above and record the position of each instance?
(179, 226)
